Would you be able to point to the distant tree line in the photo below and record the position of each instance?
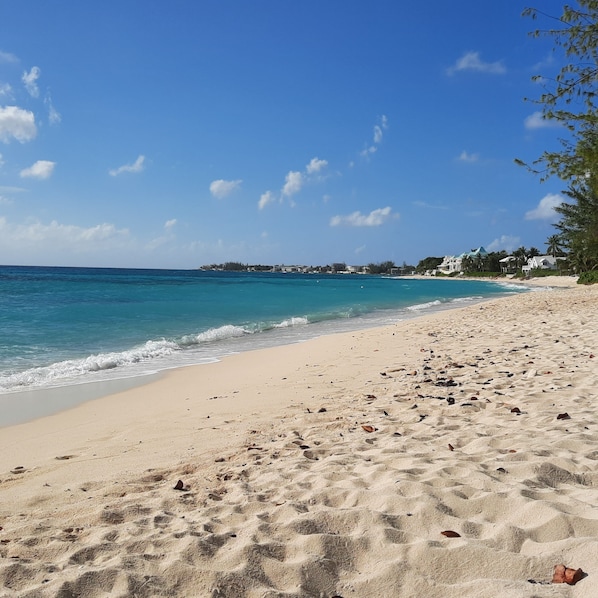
(236, 267)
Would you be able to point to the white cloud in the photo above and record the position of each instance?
(467, 157)
(170, 224)
(504, 242)
(378, 134)
(16, 123)
(265, 199)
(63, 235)
(42, 169)
(137, 166)
(315, 165)
(7, 58)
(1, 161)
(470, 61)
(537, 121)
(222, 188)
(545, 209)
(30, 81)
(292, 183)
(374, 218)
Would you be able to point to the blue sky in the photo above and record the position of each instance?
(177, 134)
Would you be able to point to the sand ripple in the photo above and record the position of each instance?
(314, 505)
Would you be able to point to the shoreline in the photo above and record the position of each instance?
(26, 405)
(542, 281)
(326, 467)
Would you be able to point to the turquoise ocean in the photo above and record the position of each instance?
(66, 326)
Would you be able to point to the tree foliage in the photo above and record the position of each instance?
(428, 263)
(381, 268)
(571, 99)
(554, 245)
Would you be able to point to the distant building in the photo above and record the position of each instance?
(540, 262)
(508, 265)
(454, 263)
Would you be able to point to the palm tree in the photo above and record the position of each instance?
(553, 245)
(521, 256)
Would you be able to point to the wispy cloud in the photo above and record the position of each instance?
(537, 121)
(7, 189)
(137, 166)
(545, 208)
(265, 199)
(504, 242)
(222, 188)
(428, 206)
(16, 123)
(374, 218)
(54, 116)
(42, 169)
(548, 61)
(470, 61)
(30, 81)
(6, 91)
(7, 58)
(372, 148)
(467, 157)
(65, 235)
(168, 237)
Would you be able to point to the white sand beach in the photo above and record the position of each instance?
(327, 468)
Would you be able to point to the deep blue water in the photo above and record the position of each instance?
(60, 326)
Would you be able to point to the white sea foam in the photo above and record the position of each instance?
(466, 299)
(215, 334)
(292, 322)
(72, 369)
(513, 286)
(422, 306)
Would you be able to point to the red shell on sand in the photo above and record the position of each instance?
(566, 575)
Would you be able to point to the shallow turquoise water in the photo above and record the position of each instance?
(64, 325)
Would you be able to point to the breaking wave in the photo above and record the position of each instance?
(74, 370)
